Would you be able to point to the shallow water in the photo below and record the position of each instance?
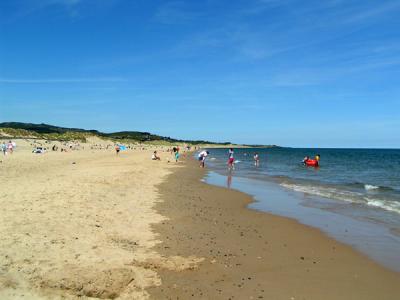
(356, 203)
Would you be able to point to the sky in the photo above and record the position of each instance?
(288, 72)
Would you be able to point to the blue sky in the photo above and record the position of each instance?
(288, 72)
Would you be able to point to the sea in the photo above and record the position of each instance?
(353, 196)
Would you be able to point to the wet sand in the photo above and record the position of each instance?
(254, 255)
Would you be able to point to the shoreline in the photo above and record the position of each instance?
(371, 239)
(250, 254)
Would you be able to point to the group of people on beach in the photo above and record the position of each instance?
(202, 156)
(231, 159)
(8, 148)
(175, 152)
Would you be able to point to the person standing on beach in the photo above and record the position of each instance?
(231, 160)
(177, 155)
(4, 148)
(173, 153)
(117, 149)
(256, 160)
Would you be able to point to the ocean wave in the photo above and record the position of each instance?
(327, 192)
(384, 204)
(347, 196)
(370, 187)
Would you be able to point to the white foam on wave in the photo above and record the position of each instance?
(385, 204)
(348, 196)
(370, 187)
(326, 192)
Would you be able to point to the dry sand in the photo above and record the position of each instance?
(79, 224)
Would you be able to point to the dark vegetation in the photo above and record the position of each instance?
(18, 129)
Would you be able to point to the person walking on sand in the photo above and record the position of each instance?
(256, 160)
(10, 147)
(117, 149)
(177, 155)
(231, 160)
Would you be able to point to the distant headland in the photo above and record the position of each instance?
(51, 132)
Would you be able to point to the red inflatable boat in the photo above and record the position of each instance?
(311, 162)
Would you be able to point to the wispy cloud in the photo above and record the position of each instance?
(321, 75)
(371, 12)
(73, 9)
(297, 78)
(175, 12)
(59, 80)
(29, 7)
(240, 42)
(310, 24)
(260, 6)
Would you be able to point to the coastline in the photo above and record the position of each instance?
(90, 224)
(250, 254)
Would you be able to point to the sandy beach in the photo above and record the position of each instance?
(90, 224)
(79, 224)
(209, 150)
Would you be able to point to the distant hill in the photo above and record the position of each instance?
(43, 128)
(46, 131)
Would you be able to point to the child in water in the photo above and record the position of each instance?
(305, 159)
(256, 160)
(231, 160)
